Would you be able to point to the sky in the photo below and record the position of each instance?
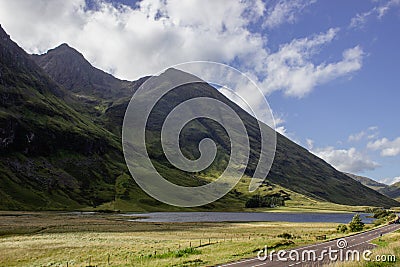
(329, 69)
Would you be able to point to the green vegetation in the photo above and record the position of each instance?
(286, 236)
(267, 201)
(382, 216)
(342, 228)
(356, 224)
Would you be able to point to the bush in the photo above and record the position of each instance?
(342, 228)
(285, 236)
(379, 222)
(356, 224)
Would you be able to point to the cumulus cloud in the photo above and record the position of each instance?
(346, 160)
(378, 11)
(310, 144)
(131, 42)
(356, 137)
(370, 133)
(285, 11)
(387, 147)
(291, 70)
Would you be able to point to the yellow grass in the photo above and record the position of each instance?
(52, 239)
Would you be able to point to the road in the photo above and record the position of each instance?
(325, 252)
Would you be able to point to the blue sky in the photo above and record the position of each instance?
(329, 69)
(363, 105)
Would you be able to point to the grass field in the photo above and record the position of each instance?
(55, 239)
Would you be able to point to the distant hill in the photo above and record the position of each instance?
(392, 191)
(61, 141)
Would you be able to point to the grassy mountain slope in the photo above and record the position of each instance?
(294, 167)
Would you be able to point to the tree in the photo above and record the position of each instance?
(258, 201)
(356, 224)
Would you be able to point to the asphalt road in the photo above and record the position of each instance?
(346, 249)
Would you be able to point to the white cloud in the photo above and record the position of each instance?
(133, 42)
(282, 130)
(346, 160)
(137, 41)
(356, 137)
(285, 11)
(310, 144)
(370, 133)
(391, 181)
(291, 70)
(378, 11)
(388, 148)
(360, 19)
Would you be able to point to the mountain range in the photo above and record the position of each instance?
(392, 191)
(60, 140)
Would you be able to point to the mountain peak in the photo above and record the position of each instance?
(65, 46)
(3, 35)
(65, 49)
(69, 67)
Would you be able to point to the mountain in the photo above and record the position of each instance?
(395, 191)
(94, 89)
(294, 167)
(57, 154)
(392, 191)
(368, 182)
(70, 69)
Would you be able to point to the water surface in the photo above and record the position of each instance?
(247, 217)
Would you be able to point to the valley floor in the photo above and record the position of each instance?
(55, 239)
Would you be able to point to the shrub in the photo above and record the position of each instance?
(356, 224)
(342, 228)
(285, 236)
